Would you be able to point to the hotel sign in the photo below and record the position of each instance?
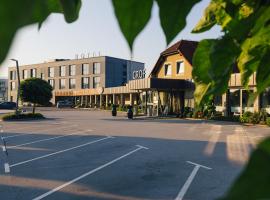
(140, 74)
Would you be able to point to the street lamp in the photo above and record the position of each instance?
(19, 83)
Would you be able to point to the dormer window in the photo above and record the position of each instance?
(168, 69)
(180, 67)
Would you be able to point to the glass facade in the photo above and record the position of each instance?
(62, 83)
(25, 74)
(72, 70)
(62, 70)
(85, 69)
(72, 83)
(96, 68)
(50, 72)
(180, 67)
(85, 83)
(33, 73)
(96, 82)
(12, 75)
(168, 70)
(51, 82)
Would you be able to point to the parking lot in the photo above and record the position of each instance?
(80, 154)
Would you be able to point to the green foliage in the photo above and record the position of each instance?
(209, 110)
(21, 116)
(249, 117)
(173, 16)
(36, 91)
(246, 41)
(133, 15)
(226, 118)
(246, 117)
(17, 13)
(254, 182)
(263, 115)
(267, 121)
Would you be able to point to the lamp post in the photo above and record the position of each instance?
(19, 83)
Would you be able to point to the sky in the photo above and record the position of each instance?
(97, 32)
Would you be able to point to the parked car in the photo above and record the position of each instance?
(8, 105)
(64, 104)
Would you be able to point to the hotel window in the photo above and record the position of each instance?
(218, 100)
(96, 82)
(42, 76)
(62, 83)
(12, 85)
(33, 73)
(62, 70)
(85, 82)
(72, 70)
(51, 82)
(12, 75)
(50, 72)
(168, 70)
(72, 83)
(85, 69)
(24, 74)
(96, 68)
(180, 67)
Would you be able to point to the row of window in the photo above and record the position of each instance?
(180, 68)
(62, 71)
(85, 83)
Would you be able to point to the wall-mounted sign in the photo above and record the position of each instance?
(139, 74)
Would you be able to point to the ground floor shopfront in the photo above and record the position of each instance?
(151, 96)
(157, 96)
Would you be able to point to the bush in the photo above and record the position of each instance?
(31, 116)
(263, 115)
(189, 114)
(226, 118)
(187, 110)
(255, 118)
(246, 117)
(268, 121)
(249, 117)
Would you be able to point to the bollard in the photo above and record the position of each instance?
(130, 112)
(114, 111)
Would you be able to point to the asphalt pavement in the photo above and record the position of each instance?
(81, 154)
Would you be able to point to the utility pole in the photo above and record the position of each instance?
(19, 83)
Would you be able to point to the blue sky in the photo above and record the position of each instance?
(96, 31)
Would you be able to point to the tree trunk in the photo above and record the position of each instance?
(34, 108)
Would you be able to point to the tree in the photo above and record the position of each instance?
(36, 91)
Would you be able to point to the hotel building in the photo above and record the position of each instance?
(101, 81)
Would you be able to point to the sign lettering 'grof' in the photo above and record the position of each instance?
(139, 74)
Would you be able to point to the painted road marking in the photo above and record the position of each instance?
(139, 147)
(33, 132)
(47, 139)
(62, 151)
(7, 168)
(185, 187)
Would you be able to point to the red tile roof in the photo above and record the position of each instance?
(185, 47)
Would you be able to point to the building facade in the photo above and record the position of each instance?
(3, 90)
(102, 81)
(67, 76)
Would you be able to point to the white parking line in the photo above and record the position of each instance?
(47, 139)
(185, 187)
(7, 168)
(33, 132)
(88, 173)
(62, 151)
